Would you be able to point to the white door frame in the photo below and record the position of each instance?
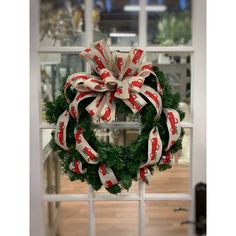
(198, 123)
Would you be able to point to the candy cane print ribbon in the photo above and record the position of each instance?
(84, 148)
(60, 132)
(173, 125)
(107, 176)
(76, 166)
(154, 147)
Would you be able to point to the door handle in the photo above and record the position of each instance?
(180, 209)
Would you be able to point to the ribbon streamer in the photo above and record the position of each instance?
(84, 148)
(166, 159)
(144, 174)
(60, 132)
(154, 147)
(107, 176)
(173, 125)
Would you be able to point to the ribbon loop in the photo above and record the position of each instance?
(153, 97)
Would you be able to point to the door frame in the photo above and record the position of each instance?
(197, 125)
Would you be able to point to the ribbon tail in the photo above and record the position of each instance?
(144, 174)
(107, 112)
(76, 166)
(107, 176)
(85, 150)
(173, 126)
(60, 132)
(135, 102)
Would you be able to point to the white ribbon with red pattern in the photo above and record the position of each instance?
(120, 75)
(84, 148)
(60, 132)
(155, 144)
(76, 166)
(107, 176)
(154, 147)
(173, 125)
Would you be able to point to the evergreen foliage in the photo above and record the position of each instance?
(124, 160)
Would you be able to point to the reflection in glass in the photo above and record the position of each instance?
(169, 22)
(176, 179)
(116, 218)
(117, 24)
(176, 68)
(56, 181)
(55, 68)
(162, 219)
(62, 23)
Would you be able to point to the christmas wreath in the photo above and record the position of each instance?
(120, 83)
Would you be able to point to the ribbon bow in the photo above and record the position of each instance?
(119, 75)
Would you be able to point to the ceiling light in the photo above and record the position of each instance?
(133, 8)
(122, 34)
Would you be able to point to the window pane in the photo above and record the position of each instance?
(62, 23)
(56, 181)
(163, 220)
(177, 69)
(55, 67)
(116, 218)
(176, 179)
(66, 218)
(169, 22)
(113, 20)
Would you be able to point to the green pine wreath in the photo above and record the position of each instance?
(124, 160)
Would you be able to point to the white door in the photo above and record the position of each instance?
(145, 210)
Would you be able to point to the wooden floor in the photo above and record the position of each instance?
(121, 218)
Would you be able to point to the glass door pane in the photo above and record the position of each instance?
(169, 22)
